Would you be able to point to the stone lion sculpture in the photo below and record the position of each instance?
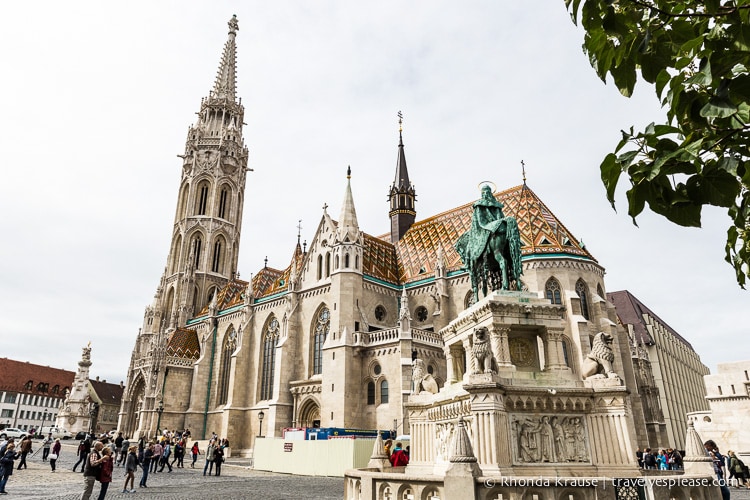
(599, 361)
(484, 361)
(423, 381)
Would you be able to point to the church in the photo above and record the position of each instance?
(331, 340)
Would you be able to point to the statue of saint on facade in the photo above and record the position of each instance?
(491, 248)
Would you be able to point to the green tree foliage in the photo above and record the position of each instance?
(697, 55)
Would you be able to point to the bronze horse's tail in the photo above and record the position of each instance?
(513, 236)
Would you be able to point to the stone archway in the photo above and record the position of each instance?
(309, 413)
(133, 411)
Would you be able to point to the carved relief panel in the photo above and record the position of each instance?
(523, 353)
(542, 439)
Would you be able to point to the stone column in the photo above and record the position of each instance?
(500, 349)
(450, 369)
(553, 350)
(470, 365)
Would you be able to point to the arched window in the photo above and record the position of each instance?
(469, 300)
(216, 262)
(320, 266)
(583, 293)
(336, 262)
(599, 290)
(270, 337)
(371, 393)
(566, 355)
(230, 344)
(328, 264)
(346, 261)
(202, 200)
(356, 262)
(552, 291)
(223, 203)
(197, 245)
(320, 332)
(383, 392)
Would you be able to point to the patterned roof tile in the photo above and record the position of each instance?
(183, 343)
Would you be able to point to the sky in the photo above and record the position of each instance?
(98, 97)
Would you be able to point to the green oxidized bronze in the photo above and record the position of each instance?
(491, 248)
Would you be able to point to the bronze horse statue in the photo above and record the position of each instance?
(491, 248)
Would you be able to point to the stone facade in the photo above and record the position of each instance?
(728, 420)
(667, 371)
(329, 339)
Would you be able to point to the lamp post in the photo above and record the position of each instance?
(44, 417)
(159, 410)
(93, 410)
(261, 415)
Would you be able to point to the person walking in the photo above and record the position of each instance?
(158, 450)
(6, 461)
(209, 457)
(148, 455)
(56, 449)
(131, 465)
(105, 474)
(195, 450)
(46, 444)
(84, 448)
(92, 469)
(25, 450)
(218, 459)
(737, 469)
(179, 453)
(124, 451)
(166, 452)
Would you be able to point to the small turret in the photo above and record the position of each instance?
(402, 197)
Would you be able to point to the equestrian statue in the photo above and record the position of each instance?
(491, 248)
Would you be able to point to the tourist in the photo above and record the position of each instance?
(25, 447)
(639, 457)
(737, 469)
(661, 459)
(123, 451)
(649, 461)
(387, 447)
(118, 446)
(158, 450)
(674, 459)
(718, 462)
(148, 455)
(46, 444)
(105, 474)
(209, 458)
(179, 453)
(218, 459)
(84, 448)
(91, 469)
(166, 452)
(399, 458)
(56, 449)
(195, 450)
(6, 461)
(131, 465)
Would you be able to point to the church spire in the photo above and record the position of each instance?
(348, 229)
(226, 78)
(402, 196)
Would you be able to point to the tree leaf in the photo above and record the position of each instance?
(610, 171)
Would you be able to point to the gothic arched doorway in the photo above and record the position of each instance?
(309, 413)
(133, 411)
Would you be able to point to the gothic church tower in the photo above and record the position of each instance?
(205, 238)
(401, 197)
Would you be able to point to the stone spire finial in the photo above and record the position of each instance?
(348, 229)
(379, 458)
(226, 78)
(696, 460)
(461, 450)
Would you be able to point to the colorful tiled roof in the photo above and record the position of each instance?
(228, 296)
(183, 343)
(379, 259)
(541, 234)
(270, 281)
(15, 376)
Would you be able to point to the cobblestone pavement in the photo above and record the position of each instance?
(237, 481)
